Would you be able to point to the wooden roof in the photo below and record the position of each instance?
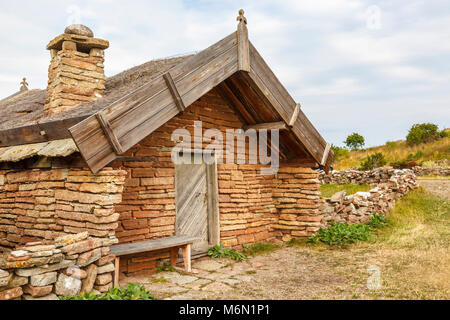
(140, 100)
(102, 137)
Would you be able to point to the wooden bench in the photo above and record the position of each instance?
(173, 243)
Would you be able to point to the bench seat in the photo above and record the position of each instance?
(174, 243)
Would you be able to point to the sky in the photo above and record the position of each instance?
(372, 67)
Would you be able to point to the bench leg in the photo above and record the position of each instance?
(187, 257)
(116, 271)
(174, 256)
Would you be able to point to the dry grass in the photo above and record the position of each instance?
(413, 253)
(433, 178)
(397, 151)
(415, 248)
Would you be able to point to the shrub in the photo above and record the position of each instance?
(341, 233)
(403, 164)
(218, 251)
(375, 160)
(422, 133)
(354, 141)
(409, 162)
(390, 145)
(339, 152)
(132, 292)
(377, 221)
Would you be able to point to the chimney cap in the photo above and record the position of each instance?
(79, 29)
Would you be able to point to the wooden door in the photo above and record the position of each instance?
(191, 183)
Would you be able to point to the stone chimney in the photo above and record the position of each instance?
(76, 72)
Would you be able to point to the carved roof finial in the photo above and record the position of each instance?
(24, 85)
(241, 17)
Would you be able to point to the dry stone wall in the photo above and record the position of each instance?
(436, 171)
(371, 177)
(45, 204)
(297, 199)
(68, 265)
(56, 227)
(388, 186)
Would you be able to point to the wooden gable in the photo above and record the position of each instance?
(232, 65)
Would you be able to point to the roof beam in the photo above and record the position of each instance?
(54, 130)
(280, 125)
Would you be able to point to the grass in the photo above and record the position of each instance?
(412, 252)
(218, 251)
(259, 248)
(416, 247)
(328, 190)
(397, 151)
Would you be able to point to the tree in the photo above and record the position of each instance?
(422, 133)
(355, 141)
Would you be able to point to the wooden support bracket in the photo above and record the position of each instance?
(325, 154)
(294, 115)
(109, 133)
(174, 91)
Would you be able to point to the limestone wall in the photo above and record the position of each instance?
(436, 171)
(52, 220)
(359, 207)
(371, 177)
(68, 265)
(45, 204)
(297, 200)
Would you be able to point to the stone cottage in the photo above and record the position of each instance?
(95, 154)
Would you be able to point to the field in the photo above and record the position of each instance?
(397, 151)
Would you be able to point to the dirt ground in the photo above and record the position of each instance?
(408, 260)
(286, 273)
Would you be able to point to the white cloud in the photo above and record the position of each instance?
(340, 86)
(322, 50)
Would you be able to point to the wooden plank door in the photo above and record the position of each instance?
(191, 184)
